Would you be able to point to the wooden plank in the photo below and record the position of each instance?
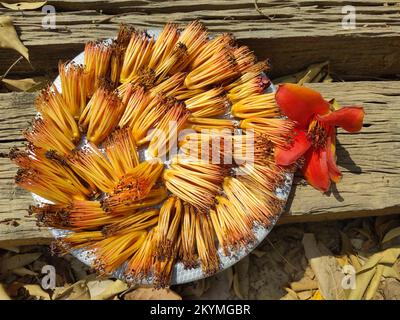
(300, 33)
(369, 161)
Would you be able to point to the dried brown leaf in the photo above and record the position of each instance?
(106, 289)
(24, 272)
(9, 37)
(258, 253)
(36, 291)
(392, 234)
(325, 267)
(369, 275)
(374, 284)
(27, 84)
(77, 291)
(390, 272)
(291, 295)
(145, 293)
(23, 5)
(17, 261)
(304, 285)
(3, 293)
(305, 295)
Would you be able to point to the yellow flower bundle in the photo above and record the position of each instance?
(102, 147)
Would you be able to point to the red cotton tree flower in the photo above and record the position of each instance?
(315, 133)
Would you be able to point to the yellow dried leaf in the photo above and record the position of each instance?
(373, 270)
(394, 233)
(145, 293)
(36, 291)
(327, 270)
(374, 284)
(390, 272)
(304, 284)
(78, 291)
(342, 261)
(390, 256)
(27, 84)
(291, 294)
(9, 38)
(106, 289)
(23, 5)
(314, 73)
(3, 293)
(362, 282)
(317, 296)
(304, 295)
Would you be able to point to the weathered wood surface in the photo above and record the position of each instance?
(294, 34)
(369, 161)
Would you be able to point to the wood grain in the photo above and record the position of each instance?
(369, 161)
(293, 35)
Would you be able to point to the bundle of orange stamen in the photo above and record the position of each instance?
(101, 150)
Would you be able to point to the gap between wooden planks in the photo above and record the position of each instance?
(369, 161)
(291, 33)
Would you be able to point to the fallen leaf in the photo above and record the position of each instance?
(304, 295)
(24, 272)
(390, 272)
(146, 293)
(327, 79)
(12, 249)
(314, 73)
(355, 261)
(36, 291)
(27, 84)
(391, 290)
(9, 37)
(374, 284)
(106, 289)
(291, 294)
(327, 271)
(304, 285)
(370, 271)
(258, 253)
(383, 224)
(392, 234)
(17, 261)
(317, 296)
(346, 246)
(23, 5)
(342, 261)
(3, 293)
(78, 291)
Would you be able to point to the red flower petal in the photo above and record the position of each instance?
(349, 118)
(334, 172)
(289, 154)
(315, 170)
(300, 103)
